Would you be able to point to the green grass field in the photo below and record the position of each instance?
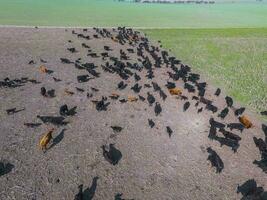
(113, 13)
(234, 59)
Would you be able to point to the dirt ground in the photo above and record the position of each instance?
(153, 165)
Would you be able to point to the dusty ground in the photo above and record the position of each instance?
(153, 166)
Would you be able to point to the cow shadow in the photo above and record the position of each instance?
(72, 111)
(89, 193)
(58, 138)
(5, 168)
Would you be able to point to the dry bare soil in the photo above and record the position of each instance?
(153, 165)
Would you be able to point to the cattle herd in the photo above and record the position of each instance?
(150, 59)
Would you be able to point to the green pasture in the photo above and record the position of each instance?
(234, 59)
(113, 13)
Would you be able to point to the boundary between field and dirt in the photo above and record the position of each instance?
(241, 33)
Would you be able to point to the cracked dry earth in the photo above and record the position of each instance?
(152, 163)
